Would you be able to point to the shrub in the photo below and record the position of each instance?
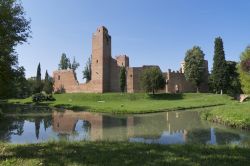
(40, 97)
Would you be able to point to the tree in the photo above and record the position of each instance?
(48, 84)
(244, 70)
(14, 30)
(152, 79)
(74, 65)
(38, 86)
(64, 62)
(123, 79)
(194, 66)
(218, 75)
(21, 88)
(87, 70)
(32, 85)
(233, 80)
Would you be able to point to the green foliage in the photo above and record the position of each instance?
(38, 85)
(233, 80)
(48, 84)
(244, 73)
(234, 114)
(21, 88)
(123, 79)
(64, 62)
(74, 65)
(194, 66)
(152, 79)
(14, 30)
(40, 97)
(87, 70)
(219, 72)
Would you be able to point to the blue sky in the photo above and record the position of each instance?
(149, 31)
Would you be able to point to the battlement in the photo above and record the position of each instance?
(122, 60)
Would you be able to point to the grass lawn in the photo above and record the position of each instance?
(233, 114)
(121, 153)
(134, 103)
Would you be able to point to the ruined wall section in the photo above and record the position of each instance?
(115, 68)
(114, 76)
(65, 79)
(177, 80)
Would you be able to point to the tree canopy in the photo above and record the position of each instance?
(219, 73)
(48, 84)
(14, 30)
(64, 62)
(244, 70)
(152, 79)
(87, 70)
(194, 66)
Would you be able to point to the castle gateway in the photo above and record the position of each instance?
(106, 70)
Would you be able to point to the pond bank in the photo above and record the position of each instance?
(121, 153)
(236, 115)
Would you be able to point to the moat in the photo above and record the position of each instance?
(178, 127)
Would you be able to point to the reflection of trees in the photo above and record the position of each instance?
(225, 137)
(198, 136)
(14, 126)
(47, 122)
(10, 126)
(37, 126)
(202, 136)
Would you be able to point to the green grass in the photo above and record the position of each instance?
(133, 103)
(233, 114)
(121, 153)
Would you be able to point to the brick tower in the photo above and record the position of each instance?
(101, 56)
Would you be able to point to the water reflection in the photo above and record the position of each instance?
(164, 128)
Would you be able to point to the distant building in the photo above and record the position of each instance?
(106, 71)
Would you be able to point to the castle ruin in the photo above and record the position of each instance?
(105, 75)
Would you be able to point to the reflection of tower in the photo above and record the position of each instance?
(185, 133)
(212, 136)
(130, 126)
(65, 123)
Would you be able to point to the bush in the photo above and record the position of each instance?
(40, 97)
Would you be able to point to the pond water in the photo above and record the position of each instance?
(177, 127)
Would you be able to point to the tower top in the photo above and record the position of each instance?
(102, 28)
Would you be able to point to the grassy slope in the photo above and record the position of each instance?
(123, 153)
(233, 114)
(134, 103)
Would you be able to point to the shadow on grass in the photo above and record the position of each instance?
(166, 96)
(71, 107)
(115, 153)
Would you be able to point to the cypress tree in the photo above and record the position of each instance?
(123, 79)
(48, 85)
(219, 73)
(38, 86)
